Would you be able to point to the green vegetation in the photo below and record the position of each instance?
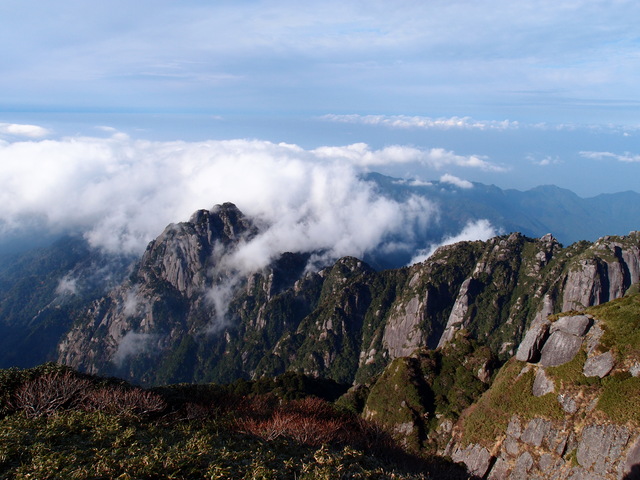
(570, 374)
(510, 394)
(622, 325)
(56, 423)
(620, 398)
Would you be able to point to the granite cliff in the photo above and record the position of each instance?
(189, 312)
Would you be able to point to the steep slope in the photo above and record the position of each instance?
(568, 407)
(43, 289)
(190, 313)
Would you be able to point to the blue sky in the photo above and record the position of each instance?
(515, 94)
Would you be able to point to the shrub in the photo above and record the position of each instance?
(49, 393)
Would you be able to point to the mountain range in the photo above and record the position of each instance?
(419, 348)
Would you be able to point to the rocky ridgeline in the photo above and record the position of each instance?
(186, 315)
(578, 416)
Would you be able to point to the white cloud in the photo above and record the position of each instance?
(20, 130)
(458, 182)
(123, 192)
(405, 121)
(360, 154)
(474, 230)
(544, 162)
(625, 157)
(132, 344)
(67, 285)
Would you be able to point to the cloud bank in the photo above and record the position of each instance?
(419, 122)
(122, 192)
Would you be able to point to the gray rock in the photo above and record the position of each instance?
(529, 350)
(575, 325)
(522, 467)
(475, 457)
(549, 462)
(632, 462)
(568, 403)
(537, 429)
(599, 365)
(514, 429)
(542, 384)
(560, 348)
(458, 313)
(601, 446)
(500, 470)
(511, 446)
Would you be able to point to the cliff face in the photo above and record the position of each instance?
(565, 408)
(188, 314)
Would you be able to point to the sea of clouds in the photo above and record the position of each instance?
(121, 192)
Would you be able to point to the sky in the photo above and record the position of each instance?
(112, 110)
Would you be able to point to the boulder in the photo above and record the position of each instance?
(598, 365)
(529, 350)
(475, 457)
(542, 384)
(560, 348)
(575, 325)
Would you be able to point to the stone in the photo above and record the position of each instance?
(598, 365)
(575, 325)
(514, 429)
(601, 446)
(500, 470)
(511, 446)
(475, 457)
(560, 348)
(529, 350)
(635, 370)
(542, 384)
(568, 403)
(631, 468)
(522, 467)
(536, 430)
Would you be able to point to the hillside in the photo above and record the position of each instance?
(56, 423)
(186, 313)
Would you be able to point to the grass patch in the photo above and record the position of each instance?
(508, 395)
(620, 398)
(622, 325)
(570, 373)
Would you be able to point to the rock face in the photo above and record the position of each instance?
(565, 423)
(188, 314)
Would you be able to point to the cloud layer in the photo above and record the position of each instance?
(121, 192)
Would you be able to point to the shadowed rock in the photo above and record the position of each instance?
(529, 350)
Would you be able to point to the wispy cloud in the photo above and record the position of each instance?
(418, 122)
(458, 182)
(626, 157)
(21, 130)
(362, 155)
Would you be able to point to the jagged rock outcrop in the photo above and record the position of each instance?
(189, 313)
(576, 419)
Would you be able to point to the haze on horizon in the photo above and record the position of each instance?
(112, 110)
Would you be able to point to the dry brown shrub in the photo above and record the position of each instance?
(123, 401)
(47, 394)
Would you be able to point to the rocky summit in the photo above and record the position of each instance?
(190, 312)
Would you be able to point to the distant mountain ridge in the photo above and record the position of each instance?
(536, 212)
